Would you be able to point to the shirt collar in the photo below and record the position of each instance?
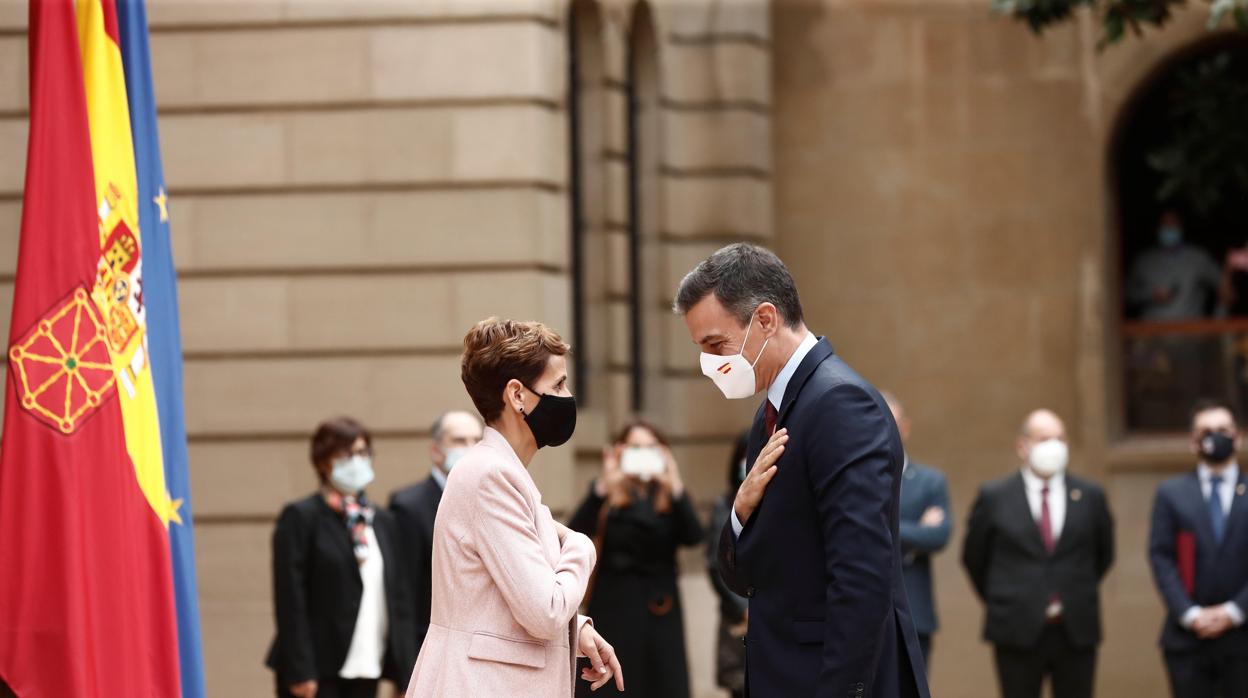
(1036, 483)
(775, 394)
(1229, 474)
(439, 477)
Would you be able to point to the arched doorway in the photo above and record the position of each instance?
(648, 300)
(586, 199)
(1179, 164)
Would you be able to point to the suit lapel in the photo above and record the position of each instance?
(1076, 513)
(817, 355)
(1019, 509)
(1198, 508)
(1239, 508)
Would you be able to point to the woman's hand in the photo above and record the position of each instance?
(612, 481)
(671, 474)
(304, 689)
(603, 664)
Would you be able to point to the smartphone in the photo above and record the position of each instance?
(645, 463)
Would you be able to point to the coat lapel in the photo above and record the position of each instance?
(1076, 513)
(1235, 519)
(1019, 509)
(817, 355)
(339, 536)
(1198, 508)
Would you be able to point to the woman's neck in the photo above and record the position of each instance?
(518, 436)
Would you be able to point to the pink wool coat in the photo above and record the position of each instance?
(507, 581)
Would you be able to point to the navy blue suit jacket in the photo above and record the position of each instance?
(1221, 572)
(921, 488)
(820, 559)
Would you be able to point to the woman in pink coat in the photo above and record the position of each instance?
(508, 578)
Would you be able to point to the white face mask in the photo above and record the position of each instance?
(734, 375)
(352, 474)
(452, 457)
(1048, 458)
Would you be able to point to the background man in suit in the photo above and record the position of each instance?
(1038, 544)
(819, 558)
(415, 507)
(925, 526)
(1198, 547)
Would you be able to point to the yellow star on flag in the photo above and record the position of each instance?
(162, 200)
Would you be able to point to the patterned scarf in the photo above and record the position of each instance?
(357, 514)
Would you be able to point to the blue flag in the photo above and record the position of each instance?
(164, 341)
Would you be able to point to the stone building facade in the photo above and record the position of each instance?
(353, 184)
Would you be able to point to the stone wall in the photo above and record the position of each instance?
(942, 196)
(353, 184)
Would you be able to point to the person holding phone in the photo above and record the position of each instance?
(638, 513)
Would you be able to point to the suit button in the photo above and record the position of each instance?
(749, 592)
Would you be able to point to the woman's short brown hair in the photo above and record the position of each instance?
(337, 435)
(496, 351)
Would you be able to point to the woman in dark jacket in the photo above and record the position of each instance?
(733, 609)
(638, 513)
(339, 587)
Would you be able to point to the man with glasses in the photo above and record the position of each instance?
(1198, 548)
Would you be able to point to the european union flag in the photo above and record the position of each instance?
(164, 342)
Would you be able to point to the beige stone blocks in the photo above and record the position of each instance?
(254, 478)
(695, 19)
(238, 396)
(13, 72)
(697, 140)
(13, 154)
(464, 227)
(716, 73)
(368, 146)
(325, 65)
(735, 206)
(191, 13)
(10, 232)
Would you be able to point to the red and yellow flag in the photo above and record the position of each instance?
(86, 596)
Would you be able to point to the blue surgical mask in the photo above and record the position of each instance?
(1170, 235)
(452, 457)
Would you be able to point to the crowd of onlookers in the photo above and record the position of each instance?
(352, 590)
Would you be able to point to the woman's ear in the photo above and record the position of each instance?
(513, 396)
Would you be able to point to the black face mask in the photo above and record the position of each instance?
(1217, 447)
(553, 420)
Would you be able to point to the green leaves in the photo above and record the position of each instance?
(1204, 160)
(1117, 17)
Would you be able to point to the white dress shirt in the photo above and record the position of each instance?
(368, 641)
(1034, 485)
(775, 395)
(1230, 480)
(439, 477)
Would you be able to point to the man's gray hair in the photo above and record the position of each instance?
(742, 276)
(436, 430)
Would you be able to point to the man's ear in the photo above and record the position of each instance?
(768, 319)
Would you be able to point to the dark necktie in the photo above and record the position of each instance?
(1217, 516)
(1046, 521)
(769, 419)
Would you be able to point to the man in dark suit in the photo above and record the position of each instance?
(416, 507)
(925, 527)
(819, 557)
(1038, 544)
(1198, 547)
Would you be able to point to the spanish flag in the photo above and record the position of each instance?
(88, 605)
